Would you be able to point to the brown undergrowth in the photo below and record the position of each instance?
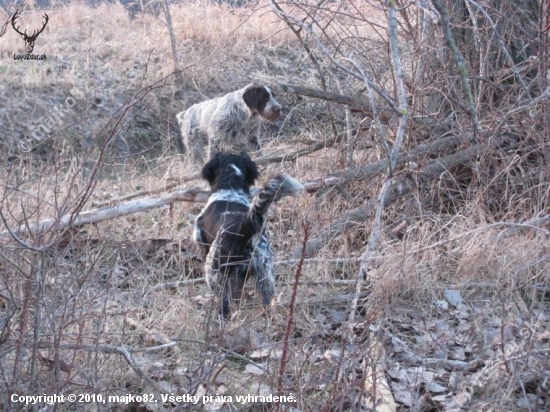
(456, 293)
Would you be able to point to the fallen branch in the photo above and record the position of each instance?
(148, 192)
(449, 365)
(332, 282)
(157, 337)
(98, 215)
(353, 217)
(385, 114)
(420, 151)
(296, 154)
(193, 195)
(124, 351)
(323, 261)
(376, 168)
(324, 301)
(194, 282)
(176, 284)
(261, 161)
(200, 196)
(433, 169)
(377, 395)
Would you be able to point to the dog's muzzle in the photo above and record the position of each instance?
(272, 113)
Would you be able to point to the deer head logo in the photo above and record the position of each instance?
(29, 40)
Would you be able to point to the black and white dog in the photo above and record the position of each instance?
(230, 123)
(230, 230)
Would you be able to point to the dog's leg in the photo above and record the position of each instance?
(221, 286)
(199, 155)
(254, 141)
(216, 279)
(262, 265)
(237, 286)
(212, 272)
(200, 238)
(225, 297)
(212, 147)
(266, 287)
(194, 142)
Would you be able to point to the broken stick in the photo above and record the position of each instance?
(385, 114)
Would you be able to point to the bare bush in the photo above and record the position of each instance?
(421, 280)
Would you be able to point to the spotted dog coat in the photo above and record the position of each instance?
(230, 230)
(230, 123)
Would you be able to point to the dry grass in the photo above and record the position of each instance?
(113, 283)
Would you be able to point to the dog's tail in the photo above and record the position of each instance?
(278, 187)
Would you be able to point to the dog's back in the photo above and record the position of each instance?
(230, 214)
(231, 231)
(230, 122)
(220, 214)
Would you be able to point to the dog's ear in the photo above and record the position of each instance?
(252, 96)
(251, 172)
(210, 169)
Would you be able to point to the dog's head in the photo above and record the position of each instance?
(230, 171)
(261, 100)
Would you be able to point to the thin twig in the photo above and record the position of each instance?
(459, 61)
(524, 107)
(311, 56)
(174, 285)
(330, 55)
(125, 352)
(501, 44)
(291, 310)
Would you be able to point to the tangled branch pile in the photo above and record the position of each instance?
(474, 75)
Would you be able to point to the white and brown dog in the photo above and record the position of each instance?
(230, 123)
(230, 230)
